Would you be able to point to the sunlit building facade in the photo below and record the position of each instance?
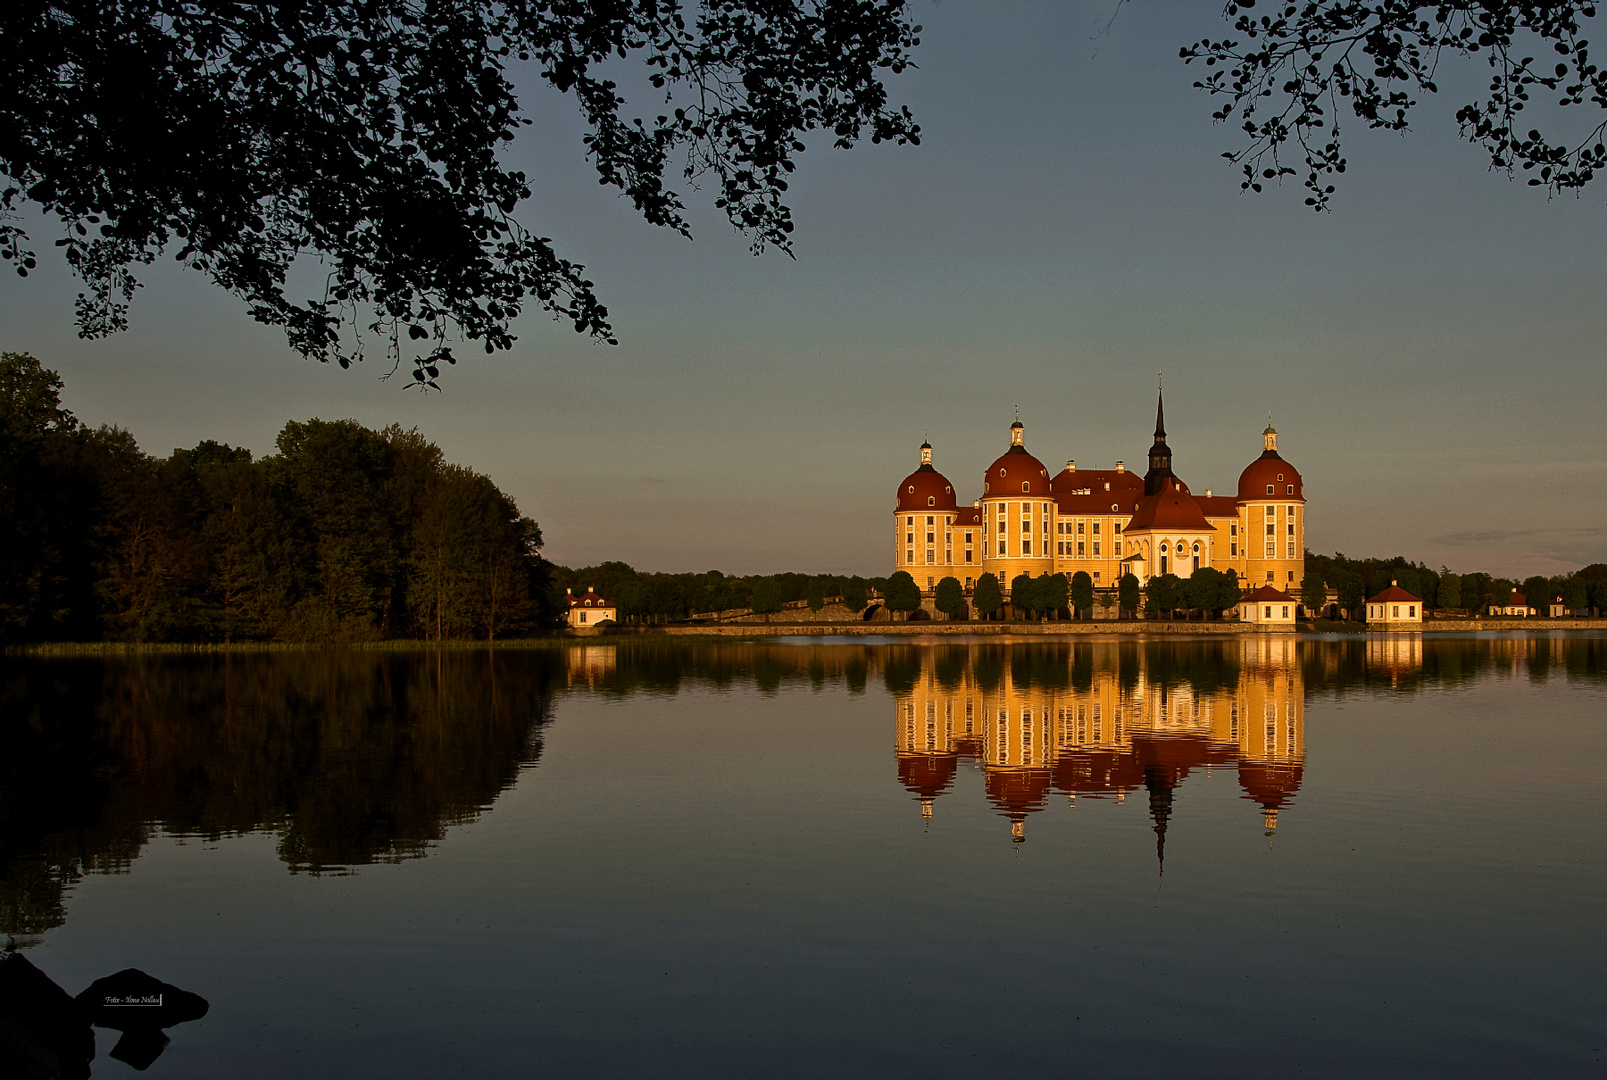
(1105, 522)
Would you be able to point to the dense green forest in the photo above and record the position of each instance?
(344, 534)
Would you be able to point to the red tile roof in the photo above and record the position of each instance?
(1394, 595)
(1172, 507)
(923, 484)
(1014, 468)
(589, 599)
(1269, 595)
(1265, 470)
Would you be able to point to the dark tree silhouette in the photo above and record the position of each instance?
(949, 597)
(248, 137)
(986, 597)
(1296, 66)
(902, 593)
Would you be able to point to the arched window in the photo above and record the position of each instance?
(931, 500)
(1291, 489)
(912, 489)
(1026, 485)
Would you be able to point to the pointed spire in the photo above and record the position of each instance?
(1160, 416)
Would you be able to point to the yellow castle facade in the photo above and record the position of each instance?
(1105, 522)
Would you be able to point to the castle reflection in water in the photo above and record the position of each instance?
(1104, 721)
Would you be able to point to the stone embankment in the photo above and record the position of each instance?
(790, 627)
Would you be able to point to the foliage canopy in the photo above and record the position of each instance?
(1292, 71)
(366, 136)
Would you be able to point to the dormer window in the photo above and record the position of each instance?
(931, 500)
(912, 489)
(1280, 478)
(1269, 489)
(1026, 485)
(1291, 489)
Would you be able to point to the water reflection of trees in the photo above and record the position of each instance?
(1409, 662)
(350, 758)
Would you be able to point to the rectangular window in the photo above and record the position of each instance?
(929, 538)
(1060, 526)
(1026, 547)
(968, 585)
(967, 554)
(1411, 611)
(1001, 552)
(1096, 528)
(1046, 533)
(1001, 528)
(1233, 551)
(1233, 529)
(929, 522)
(1081, 549)
(1291, 528)
(1096, 549)
(1272, 529)
(1060, 546)
(909, 554)
(1286, 611)
(967, 538)
(1096, 575)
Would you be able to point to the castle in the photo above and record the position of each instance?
(1105, 522)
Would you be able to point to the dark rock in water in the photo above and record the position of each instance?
(43, 1033)
(133, 1000)
(139, 1047)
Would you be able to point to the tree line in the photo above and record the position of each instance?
(642, 597)
(344, 534)
(1354, 580)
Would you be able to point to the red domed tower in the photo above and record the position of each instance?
(1272, 519)
(924, 512)
(1018, 514)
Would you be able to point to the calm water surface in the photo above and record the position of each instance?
(1250, 858)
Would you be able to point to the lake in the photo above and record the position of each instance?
(1237, 856)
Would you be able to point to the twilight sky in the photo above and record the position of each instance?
(1430, 350)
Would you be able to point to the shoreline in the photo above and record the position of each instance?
(557, 639)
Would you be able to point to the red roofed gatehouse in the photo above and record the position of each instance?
(591, 609)
(1395, 608)
(1269, 605)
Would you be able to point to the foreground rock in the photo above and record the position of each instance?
(43, 1032)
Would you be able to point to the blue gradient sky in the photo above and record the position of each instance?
(1430, 350)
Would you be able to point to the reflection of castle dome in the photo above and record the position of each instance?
(1272, 784)
(926, 488)
(1015, 793)
(1270, 471)
(1016, 472)
(926, 775)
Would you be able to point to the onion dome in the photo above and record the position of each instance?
(926, 776)
(1016, 472)
(1273, 785)
(925, 488)
(1269, 476)
(1015, 793)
